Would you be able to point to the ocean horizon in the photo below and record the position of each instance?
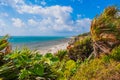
(36, 42)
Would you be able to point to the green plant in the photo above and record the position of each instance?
(61, 54)
(115, 54)
(5, 48)
(98, 69)
(81, 49)
(27, 64)
(65, 69)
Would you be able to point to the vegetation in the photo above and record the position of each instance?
(105, 36)
(98, 69)
(105, 68)
(73, 63)
(30, 65)
(81, 49)
(105, 30)
(106, 23)
(4, 48)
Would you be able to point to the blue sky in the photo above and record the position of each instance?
(49, 17)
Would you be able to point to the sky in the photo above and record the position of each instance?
(49, 17)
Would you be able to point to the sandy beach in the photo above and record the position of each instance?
(55, 48)
(52, 46)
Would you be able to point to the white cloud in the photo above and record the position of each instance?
(4, 15)
(32, 22)
(83, 25)
(2, 23)
(53, 19)
(2, 26)
(18, 22)
(54, 11)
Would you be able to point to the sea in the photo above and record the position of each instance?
(36, 42)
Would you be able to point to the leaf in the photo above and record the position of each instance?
(2, 46)
(70, 64)
(38, 69)
(48, 55)
(55, 59)
(24, 73)
(38, 57)
(14, 55)
(3, 38)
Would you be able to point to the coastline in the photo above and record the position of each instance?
(54, 48)
(45, 47)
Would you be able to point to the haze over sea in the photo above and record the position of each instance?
(36, 42)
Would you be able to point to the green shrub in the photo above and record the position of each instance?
(98, 69)
(115, 54)
(4, 48)
(61, 54)
(106, 23)
(81, 49)
(65, 69)
(25, 64)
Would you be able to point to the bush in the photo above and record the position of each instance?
(5, 48)
(106, 23)
(115, 54)
(61, 54)
(81, 49)
(26, 64)
(98, 69)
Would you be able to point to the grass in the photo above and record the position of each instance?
(98, 69)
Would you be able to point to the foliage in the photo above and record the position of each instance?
(106, 23)
(104, 28)
(28, 65)
(81, 49)
(98, 69)
(61, 54)
(84, 34)
(65, 69)
(115, 54)
(66, 65)
(4, 48)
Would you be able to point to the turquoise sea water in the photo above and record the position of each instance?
(31, 39)
(35, 42)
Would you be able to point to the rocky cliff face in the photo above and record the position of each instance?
(105, 31)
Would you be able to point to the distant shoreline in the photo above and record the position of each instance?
(55, 48)
(51, 46)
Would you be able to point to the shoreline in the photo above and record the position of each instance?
(53, 49)
(45, 47)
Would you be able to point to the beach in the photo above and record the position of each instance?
(43, 47)
(54, 48)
